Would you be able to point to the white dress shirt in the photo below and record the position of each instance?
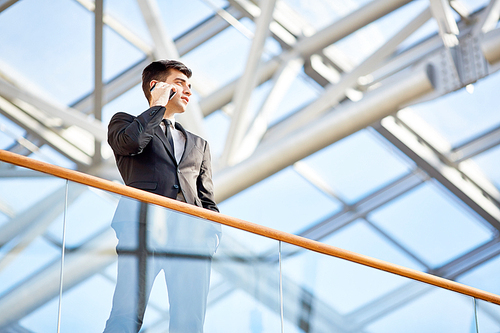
(178, 138)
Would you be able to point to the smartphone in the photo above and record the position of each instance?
(172, 92)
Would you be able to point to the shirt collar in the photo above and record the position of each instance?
(171, 121)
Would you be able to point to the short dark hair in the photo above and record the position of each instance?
(160, 70)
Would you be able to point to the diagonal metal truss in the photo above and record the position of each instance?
(353, 97)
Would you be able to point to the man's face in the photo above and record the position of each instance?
(182, 86)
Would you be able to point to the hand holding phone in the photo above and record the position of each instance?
(161, 98)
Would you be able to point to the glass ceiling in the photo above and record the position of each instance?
(416, 184)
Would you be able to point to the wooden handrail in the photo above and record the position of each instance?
(305, 243)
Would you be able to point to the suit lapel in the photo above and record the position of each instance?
(189, 141)
(163, 138)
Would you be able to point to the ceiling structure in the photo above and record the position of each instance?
(293, 96)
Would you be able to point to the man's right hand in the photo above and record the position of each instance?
(160, 93)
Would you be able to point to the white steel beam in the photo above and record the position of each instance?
(282, 80)
(24, 145)
(69, 116)
(116, 87)
(448, 30)
(476, 57)
(204, 31)
(461, 9)
(347, 25)
(457, 181)
(476, 146)
(229, 18)
(49, 136)
(414, 54)
(120, 29)
(4, 4)
(164, 45)
(240, 119)
(400, 61)
(223, 96)
(490, 45)
(309, 45)
(444, 16)
(283, 27)
(488, 19)
(335, 92)
(443, 149)
(98, 64)
(132, 77)
(269, 159)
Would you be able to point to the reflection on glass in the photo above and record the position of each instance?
(152, 239)
(488, 317)
(132, 265)
(30, 259)
(244, 295)
(429, 224)
(323, 293)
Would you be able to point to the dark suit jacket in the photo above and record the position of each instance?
(146, 161)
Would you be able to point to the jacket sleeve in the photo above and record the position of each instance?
(128, 135)
(204, 182)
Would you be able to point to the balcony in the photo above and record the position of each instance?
(58, 268)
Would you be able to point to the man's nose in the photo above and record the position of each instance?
(187, 91)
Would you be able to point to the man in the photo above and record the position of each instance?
(163, 158)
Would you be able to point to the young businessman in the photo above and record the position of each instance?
(155, 153)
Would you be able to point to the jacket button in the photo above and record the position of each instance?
(176, 186)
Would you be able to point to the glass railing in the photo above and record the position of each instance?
(164, 266)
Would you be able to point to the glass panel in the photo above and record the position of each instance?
(301, 92)
(429, 224)
(488, 317)
(361, 237)
(307, 204)
(488, 162)
(9, 132)
(53, 71)
(198, 12)
(361, 44)
(49, 155)
(454, 115)
(245, 289)
(168, 256)
(30, 259)
(327, 294)
(321, 13)
(210, 59)
(358, 165)
(481, 276)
